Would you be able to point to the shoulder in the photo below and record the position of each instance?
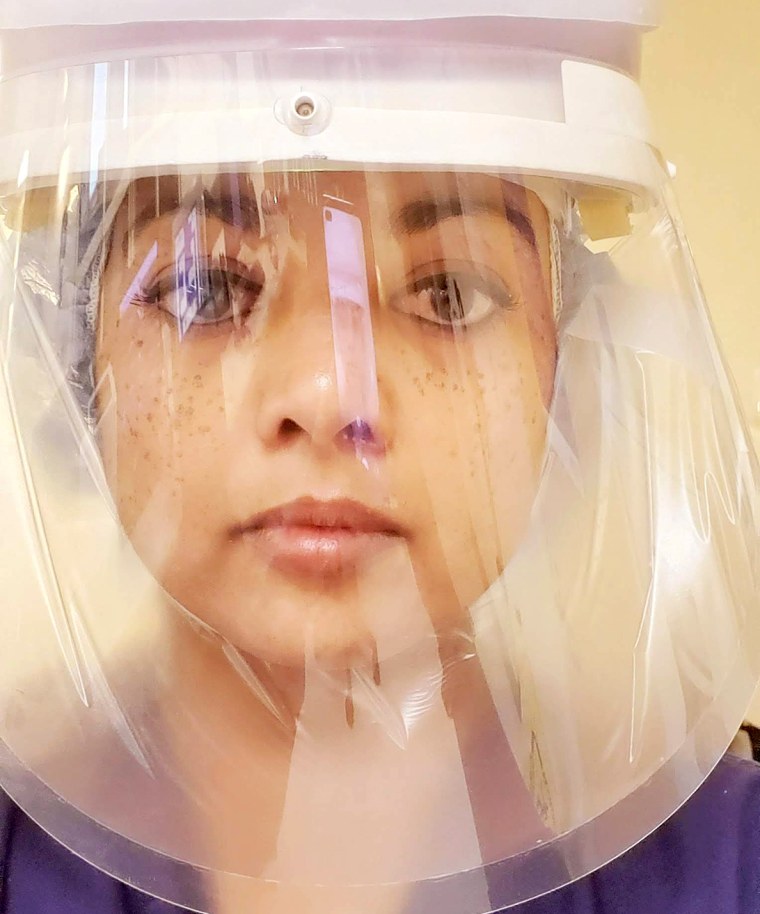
(704, 860)
(7, 810)
(37, 874)
(719, 828)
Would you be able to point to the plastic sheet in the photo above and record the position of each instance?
(381, 538)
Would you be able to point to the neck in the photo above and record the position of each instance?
(388, 773)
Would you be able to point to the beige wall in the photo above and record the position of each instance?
(701, 74)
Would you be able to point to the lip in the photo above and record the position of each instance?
(314, 538)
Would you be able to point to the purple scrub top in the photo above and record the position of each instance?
(704, 860)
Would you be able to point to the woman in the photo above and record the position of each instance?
(386, 528)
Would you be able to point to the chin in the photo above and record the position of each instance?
(281, 641)
(357, 622)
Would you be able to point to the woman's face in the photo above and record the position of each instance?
(323, 398)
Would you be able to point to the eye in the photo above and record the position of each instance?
(196, 294)
(453, 298)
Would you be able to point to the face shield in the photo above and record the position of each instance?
(383, 531)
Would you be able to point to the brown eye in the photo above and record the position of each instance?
(226, 295)
(199, 295)
(453, 299)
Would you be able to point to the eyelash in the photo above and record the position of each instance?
(232, 280)
(489, 291)
(489, 287)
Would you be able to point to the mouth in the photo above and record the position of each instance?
(312, 538)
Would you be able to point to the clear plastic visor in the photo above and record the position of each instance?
(384, 538)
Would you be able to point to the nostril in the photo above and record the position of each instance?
(359, 435)
(358, 432)
(289, 428)
(362, 437)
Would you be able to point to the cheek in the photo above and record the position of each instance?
(543, 352)
(473, 421)
(160, 421)
(516, 383)
(480, 400)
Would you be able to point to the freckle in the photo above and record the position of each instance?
(139, 343)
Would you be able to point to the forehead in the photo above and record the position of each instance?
(377, 190)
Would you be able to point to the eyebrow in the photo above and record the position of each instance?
(236, 209)
(424, 214)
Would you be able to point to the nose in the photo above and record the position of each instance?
(322, 385)
(319, 383)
